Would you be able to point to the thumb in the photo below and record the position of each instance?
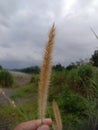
(43, 127)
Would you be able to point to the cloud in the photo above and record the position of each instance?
(24, 27)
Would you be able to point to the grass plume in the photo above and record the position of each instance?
(58, 124)
(45, 74)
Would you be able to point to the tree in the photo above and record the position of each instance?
(71, 66)
(94, 58)
(58, 67)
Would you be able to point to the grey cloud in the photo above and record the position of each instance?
(24, 26)
(11, 64)
(84, 3)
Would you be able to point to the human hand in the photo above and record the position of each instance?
(34, 125)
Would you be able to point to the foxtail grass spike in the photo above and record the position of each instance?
(45, 74)
(57, 114)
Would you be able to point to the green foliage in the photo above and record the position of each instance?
(71, 66)
(13, 116)
(73, 80)
(6, 79)
(95, 76)
(71, 102)
(78, 112)
(75, 92)
(85, 72)
(81, 80)
(29, 70)
(10, 115)
(25, 92)
(58, 67)
(34, 79)
(58, 80)
(94, 58)
(74, 65)
(26, 101)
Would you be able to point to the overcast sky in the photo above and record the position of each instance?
(24, 27)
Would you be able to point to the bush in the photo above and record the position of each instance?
(6, 78)
(74, 82)
(72, 107)
(58, 78)
(81, 80)
(94, 58)
(85, 72)
(35, 79)
(71, 102)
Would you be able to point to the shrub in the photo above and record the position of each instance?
(94, 58)
(73, 108)
(35, 79)
(58, 78)
(81, 81)
(6, 78)
(85, 72)
(71, 102)
(73, 81)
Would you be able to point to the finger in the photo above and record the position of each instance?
(43, 127)
(38, 122)
(32, 125)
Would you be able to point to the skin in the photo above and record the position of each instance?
(34, 125)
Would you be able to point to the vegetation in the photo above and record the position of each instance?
(77, 97)
(75, 92)
(94, 58)
(29, 70)
(58, 67)
(6, 79)
(12, 116)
